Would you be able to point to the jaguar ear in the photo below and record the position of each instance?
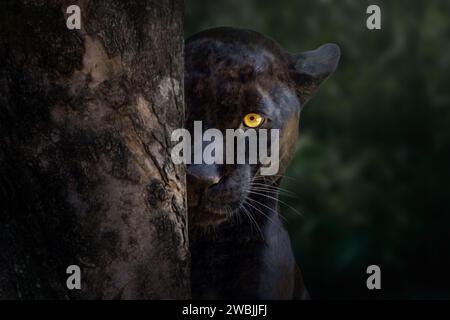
(309, 69)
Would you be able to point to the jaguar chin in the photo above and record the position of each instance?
(217, 198)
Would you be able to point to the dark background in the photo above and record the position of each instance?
(371, 172)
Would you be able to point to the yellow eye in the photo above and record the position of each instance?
(253, 120)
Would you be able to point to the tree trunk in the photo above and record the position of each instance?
(86, 176)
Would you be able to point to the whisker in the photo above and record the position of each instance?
(274, 191)
(260, 203)
(249, 215)
(270, 219)
(277, 175)
(274, 198)
(270, 186)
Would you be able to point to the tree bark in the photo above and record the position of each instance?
(86, 176)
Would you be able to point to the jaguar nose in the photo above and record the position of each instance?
(200, 176)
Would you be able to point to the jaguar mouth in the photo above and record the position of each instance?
(201, 216)
(215, 206)
(210, 213)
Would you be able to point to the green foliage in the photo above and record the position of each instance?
(371, 169)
